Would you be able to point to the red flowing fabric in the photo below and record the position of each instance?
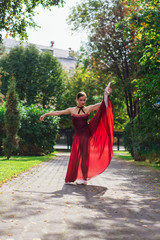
(92, 147)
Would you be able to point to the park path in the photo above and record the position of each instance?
(120, 204)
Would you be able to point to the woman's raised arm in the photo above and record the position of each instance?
(94, 107)
(56, 113)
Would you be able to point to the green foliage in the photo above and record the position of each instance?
(38, 75)
(108, 48)
(141, 142)
(36, 137)
(142, 138)
(10, 142)
(17, 16)
(50, 79)
(146, 45)
(147, 37)
(22, 63)
(30, 73)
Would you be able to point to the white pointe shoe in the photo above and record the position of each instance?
(81, 182)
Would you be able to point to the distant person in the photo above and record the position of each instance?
(92, 147)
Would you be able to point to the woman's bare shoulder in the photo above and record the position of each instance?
(72, 110)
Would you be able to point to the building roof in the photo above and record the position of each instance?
(59, 53)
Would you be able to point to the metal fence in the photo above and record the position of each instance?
(65, 139)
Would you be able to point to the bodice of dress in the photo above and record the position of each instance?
(80, 123)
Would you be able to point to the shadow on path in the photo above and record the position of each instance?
(90, 191)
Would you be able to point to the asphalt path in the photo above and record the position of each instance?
(121, 203)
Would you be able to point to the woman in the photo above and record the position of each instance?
(91, 150)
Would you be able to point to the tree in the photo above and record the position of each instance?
(109, 47)
(146, 46)
(31, 73)
(146, 40)
(12, 121)
(16, 16)
(22, 63)
(38, 75)
(50, 79)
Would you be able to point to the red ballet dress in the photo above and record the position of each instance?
(92, 147)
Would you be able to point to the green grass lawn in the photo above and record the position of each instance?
(123, 155)
(127, 156)
(18, 164)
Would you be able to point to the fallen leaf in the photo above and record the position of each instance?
(91, 206)
(11, 216)
(4, 221)
(10, 234)
(145, 226)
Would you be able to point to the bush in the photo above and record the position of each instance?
(36, 137)
(142, 141)
(133, 141)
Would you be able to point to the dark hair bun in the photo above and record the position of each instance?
(81, 94)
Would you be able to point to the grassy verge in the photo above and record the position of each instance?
(18, 164)
(127, 156)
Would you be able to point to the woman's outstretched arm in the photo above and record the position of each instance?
(56, 113)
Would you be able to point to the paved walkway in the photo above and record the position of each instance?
(122, 203)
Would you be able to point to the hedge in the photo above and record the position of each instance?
(35, 137)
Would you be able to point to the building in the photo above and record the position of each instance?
(64, 56)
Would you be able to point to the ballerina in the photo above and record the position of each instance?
(92, 147)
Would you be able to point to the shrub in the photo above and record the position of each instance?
(133, 141)
(37, 137)
(142, 141)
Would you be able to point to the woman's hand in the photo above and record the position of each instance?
(109, 91)
(42, 117)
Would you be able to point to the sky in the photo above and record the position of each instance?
(55, 28)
